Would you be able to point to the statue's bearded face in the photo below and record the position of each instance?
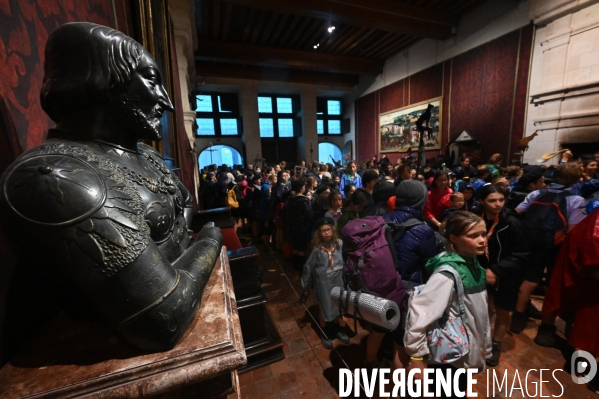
(141, 104)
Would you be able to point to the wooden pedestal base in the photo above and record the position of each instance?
(262, 342)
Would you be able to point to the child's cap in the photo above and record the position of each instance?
(321, 222)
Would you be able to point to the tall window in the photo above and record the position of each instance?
(220, 154)
(278, 116)
(218, 115)
(328, 119)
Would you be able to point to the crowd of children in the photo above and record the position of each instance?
(507, 231)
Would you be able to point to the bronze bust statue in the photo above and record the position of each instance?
(99, 222)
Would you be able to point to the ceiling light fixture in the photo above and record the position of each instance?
(316, 45)
(331, 29)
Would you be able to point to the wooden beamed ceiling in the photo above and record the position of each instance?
(281, 35)
(277, 57)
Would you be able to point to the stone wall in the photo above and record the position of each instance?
(563, 102)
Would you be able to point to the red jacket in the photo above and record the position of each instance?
(573, 285)
(436, 203)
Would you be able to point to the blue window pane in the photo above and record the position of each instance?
(334, 127)
(265, 104)
(204, 103)
(320, 126)
(205, 126)
(267, 128)
(334, 107)
(228, 127)
(328, 150)
(285, 127)
(219, 107)
(284, 106)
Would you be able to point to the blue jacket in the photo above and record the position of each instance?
(418, 244)
(356, 181)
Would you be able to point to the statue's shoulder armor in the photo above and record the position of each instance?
(53, 189)
(148, 149)
(68, 185)
(155, 158)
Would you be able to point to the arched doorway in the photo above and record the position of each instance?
(220, 154)
(328, 150)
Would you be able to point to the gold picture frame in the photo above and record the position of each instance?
(397, 128)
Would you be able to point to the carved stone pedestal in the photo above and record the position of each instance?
(81, 359)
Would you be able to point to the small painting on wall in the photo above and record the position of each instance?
(397, 128)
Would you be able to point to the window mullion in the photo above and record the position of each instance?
(217, 126)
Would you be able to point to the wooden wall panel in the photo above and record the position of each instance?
(526, 41)
(392, 96)
(367, 117)
(497, 92)
(426, 84)
(466, 89)
(446, 111)
(483, 93)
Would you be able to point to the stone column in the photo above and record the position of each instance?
(185, 42)
(309, 135)
(251, 129)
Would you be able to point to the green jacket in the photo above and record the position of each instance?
(440, 296)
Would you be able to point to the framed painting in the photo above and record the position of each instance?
(397, 128)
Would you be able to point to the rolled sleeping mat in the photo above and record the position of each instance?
(379, 311)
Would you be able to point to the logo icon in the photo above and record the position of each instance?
(583, 367)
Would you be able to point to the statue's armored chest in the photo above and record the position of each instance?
(90, 181)
(162, 198)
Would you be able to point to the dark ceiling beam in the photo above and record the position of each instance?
(271, 41)
(378, 42)
(341, 31)
(267, 29)
(361, 41)
(254, 72)
(386, 15)
(227, 22)
(276, 57)
(341, 44)
(215, 20)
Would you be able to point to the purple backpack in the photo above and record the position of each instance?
(370, 266)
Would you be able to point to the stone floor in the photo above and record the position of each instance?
(311, 371)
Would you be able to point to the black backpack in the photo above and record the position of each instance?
(546, 219)
(221, 184)
(399, 230)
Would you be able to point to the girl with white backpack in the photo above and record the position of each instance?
(438, 305)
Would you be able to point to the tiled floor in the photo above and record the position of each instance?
(310, 371)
